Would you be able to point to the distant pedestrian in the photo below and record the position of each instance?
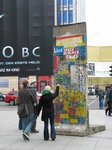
(26, 96)
(108, 99)
(101, 94)
(96, 90)
(33, 87)
(47, 106)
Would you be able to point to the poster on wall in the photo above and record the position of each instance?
(26, 37)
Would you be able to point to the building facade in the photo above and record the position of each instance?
(99, 59)
(69, 11)
(33, 38)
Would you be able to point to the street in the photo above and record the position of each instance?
(93, 104)
(5, 106)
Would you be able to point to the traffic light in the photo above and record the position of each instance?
(110, 70)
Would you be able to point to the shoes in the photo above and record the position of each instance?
(34, 131)
(53, 139)
(26, 136)
(46, 139)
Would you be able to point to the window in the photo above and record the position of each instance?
(64, 2)
(59, 17)
(70, 2)
(91, 69)
(70, 16)
(64, 16)
(58, 3)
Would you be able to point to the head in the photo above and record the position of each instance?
(47, 88)
(25, 83)
(100, 88)
(33, 82)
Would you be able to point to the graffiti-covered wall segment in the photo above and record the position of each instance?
(70, 106)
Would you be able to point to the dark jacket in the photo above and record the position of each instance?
(34, 90)
(46, 102)
(101, 94)
(26, 95)
(106, 97)
(110, 95)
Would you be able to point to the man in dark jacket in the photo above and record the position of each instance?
(26, 96)
(33, 87)
(46, 103)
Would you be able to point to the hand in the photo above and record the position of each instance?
(35, 104)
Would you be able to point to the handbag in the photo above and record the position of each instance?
(23, 110)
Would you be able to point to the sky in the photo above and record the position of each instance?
(99, 22)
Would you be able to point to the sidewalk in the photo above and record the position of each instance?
(11, 137)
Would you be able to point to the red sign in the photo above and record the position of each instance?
(69, 51)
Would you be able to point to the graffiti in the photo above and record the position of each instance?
(70, 105)
(63, 77)
(72, 45)
(71, 108)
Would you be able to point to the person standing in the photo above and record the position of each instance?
(109, 100)
(33, 87)
(26, 96)
(101, 94)
(47, 106)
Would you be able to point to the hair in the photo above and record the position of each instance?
(47, 88)
(32, 82)
(25, 81)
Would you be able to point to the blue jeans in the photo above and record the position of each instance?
(27, 123)
(20, 124)
(46, 130)
(101, 103)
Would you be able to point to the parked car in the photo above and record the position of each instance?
(2, 96)
(91, 90)
(10, 97)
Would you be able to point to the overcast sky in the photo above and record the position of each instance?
(99, 22)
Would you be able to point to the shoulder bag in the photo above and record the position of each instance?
(23, 110)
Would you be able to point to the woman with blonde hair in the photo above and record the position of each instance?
(47, 106)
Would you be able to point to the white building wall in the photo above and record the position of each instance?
(101, 69)
(80, 10)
